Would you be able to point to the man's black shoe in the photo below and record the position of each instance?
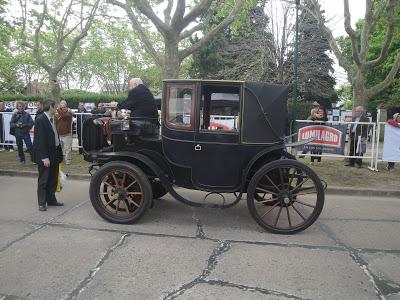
(42, 208)
(359, 166)
(349, 165)
(55, 204)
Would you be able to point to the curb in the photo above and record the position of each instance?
(331, 190)
(35, 174)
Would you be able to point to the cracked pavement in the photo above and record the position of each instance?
(180, 252)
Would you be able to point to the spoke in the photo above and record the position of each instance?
(127, 207)
(134, 203)
(300, 184)
(309, 193)
(288, 216)
(272, 182)
(267, 200)
(109, 202)
(298, 212)
(106, 193)
(277, 217)
(306, 204)
(109, 184)
(281, 177)
(269, 210)
(117, 208)
(123, 180)
(115, 179)
(134, 193)
(266, 191)
(132, 183)
(291, 178)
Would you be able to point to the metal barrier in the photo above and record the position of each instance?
(9, 140)
(370, 150)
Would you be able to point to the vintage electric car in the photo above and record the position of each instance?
(215, 136)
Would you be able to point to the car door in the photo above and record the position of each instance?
(217, 159)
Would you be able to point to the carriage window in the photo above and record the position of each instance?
(179, 111)
(220, 108)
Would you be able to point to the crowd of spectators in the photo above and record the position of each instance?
(67, 122)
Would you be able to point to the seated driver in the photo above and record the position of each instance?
(140, 101)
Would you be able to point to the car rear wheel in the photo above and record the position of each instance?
(285, 196)
(120, 192)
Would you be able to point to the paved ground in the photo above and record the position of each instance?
(352, 252)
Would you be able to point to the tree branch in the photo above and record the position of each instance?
(188, 33)
(389, 35)
(224, 24)
(195, 12)
(351, 33)
(177, 19)
(77, 39)
(343, 62)
(36, 48)
(138, 27)
(144, 7)
(64, 21)
(368, 19)
(370, 92)
(167, 12)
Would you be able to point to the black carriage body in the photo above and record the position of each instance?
(213, 134)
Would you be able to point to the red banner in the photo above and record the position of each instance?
(324, 135)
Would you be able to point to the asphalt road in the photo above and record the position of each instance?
(175, 251)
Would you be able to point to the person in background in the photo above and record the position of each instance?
(395, 122)
(100, 110)
(319, 118)
(80, 119)
(21, 122)
(47, 154)
(39, 108)
(3, 109)
(64, 127)
(357, 131)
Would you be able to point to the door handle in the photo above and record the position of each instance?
(197, 147)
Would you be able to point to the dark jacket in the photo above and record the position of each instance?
(44, 144)
(361, 130)
(141, 103)
(21, 122)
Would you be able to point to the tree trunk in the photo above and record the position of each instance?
(54, 87)
(172, 62)
(359, 96)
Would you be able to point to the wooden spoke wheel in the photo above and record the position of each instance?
(285, 196)
(120, 192)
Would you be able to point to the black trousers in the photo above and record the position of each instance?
(47, 183)
(353, 148)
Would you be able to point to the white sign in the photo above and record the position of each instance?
(391, 144)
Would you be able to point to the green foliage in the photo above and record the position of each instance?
(73, 97)
(302, 109)
(222, 9)
(391, 96)
(345, 94)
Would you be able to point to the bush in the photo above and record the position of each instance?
(73, 97)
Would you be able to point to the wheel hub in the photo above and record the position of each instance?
(285, 197)
(120, 194)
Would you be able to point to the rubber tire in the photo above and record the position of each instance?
(158, 189)
(285, 163)
(141, 178)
